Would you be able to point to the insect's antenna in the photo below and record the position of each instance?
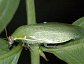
(6, 33)
(9, 38)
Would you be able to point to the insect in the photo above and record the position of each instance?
(48, 33)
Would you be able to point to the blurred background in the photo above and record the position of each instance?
(65, 11)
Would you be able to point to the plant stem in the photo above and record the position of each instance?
(31, 19)
(35, 57)
(30, 9)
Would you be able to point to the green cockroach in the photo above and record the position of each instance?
(47, 33)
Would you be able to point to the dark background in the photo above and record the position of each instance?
(66, 11)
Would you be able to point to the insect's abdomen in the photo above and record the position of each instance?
(49, 32)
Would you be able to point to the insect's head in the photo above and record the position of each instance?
(11, 40)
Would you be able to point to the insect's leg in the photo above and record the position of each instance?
(28, 46)
(25, 45)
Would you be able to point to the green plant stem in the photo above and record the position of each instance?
(31, 19)
(35, 57)
(30, 9)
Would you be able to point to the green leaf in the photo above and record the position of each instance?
(3, 46)
(79, 22)
(72, 52)
(9, 56)
(7, 11)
